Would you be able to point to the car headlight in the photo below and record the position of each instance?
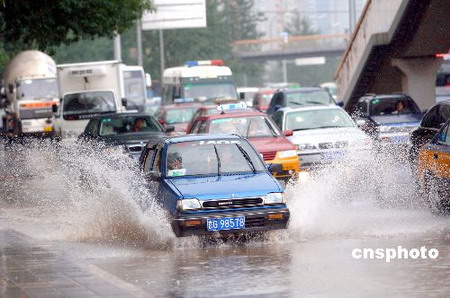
(274, 198)
(188, 204)
(287, 154)
(303, 147)
(384, 128)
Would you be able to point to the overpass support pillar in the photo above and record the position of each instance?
(419, 78)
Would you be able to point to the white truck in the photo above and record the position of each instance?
(29, 91)
(92, 88)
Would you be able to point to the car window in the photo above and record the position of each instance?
(278, 119)
(195, 127)
(308, 98)
(180, 115)
(430, 119)
(361, 107)
(254, 126)
(202, 127)
(124, 125)
(314, 119)
(444, 112)
(91, 127)
(211, 157)
(447, 135)
(393, 106)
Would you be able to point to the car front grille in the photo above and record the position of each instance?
(232, 203)
(269, 155)
(251, 222)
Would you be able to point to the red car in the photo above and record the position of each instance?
(178, 115)
(262, 133)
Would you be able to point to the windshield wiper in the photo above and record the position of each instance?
(328, 126)
(219, 164)
(315, 102)
(297, 103)
(247, 158)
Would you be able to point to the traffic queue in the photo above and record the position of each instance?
(218, 160)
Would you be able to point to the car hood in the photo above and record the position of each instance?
(226, 186)
(271, 144)
(408, 119)
(335, 134)
(132, 138)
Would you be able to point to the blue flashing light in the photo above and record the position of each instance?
(184, 100)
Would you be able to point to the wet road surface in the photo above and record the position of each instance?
(59, 237)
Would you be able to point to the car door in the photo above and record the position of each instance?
(441, 154)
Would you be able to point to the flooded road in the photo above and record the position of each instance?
(84, 206)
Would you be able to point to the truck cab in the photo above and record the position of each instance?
(87, 90)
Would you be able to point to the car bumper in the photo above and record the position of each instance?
(255, 221)
(289, 167)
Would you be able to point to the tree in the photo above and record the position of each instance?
(300, 26)
(48, 23)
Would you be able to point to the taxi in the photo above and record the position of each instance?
(213, 185)
(259, 129)
(178, 115)
(434, 169)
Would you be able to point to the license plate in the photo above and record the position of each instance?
(225, 223)
(332, 156)
(48, 128)
(400, 139)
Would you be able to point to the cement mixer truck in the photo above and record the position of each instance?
(29, 91)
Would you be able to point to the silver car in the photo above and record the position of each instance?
(323, 134)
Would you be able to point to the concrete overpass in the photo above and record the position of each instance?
(393, 49)
(291, 47)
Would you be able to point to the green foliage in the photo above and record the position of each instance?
(300, 26)
(47, 23)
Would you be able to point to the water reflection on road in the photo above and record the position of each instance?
(87, 206)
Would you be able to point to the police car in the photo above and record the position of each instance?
(213, 184)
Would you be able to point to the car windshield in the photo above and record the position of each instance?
(182, 115)
(308, 98)
(39, 89)
(210, 92)
(125, 125)
(393, 106)
(253, 126)
(212, 157)
(134, 88)
(89, 102)
(314, 119)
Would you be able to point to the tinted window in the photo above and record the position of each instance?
(447, 135)
(212, 157)
(430, 119)
(278, 119)
(89, 102)
(393, 106)
(123, 125)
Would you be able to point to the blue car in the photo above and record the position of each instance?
(213, 184)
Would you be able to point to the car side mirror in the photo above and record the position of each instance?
(55, 109)
(170, 128)
(153, 176)
(288, 133)
(161, 121)
(275, 167)
(124, 102)
(340, 103)
(241, 95)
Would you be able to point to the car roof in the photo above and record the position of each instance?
(181, 106)
(368, 97)
(311, 108)
(235, 113)
(301, 90)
